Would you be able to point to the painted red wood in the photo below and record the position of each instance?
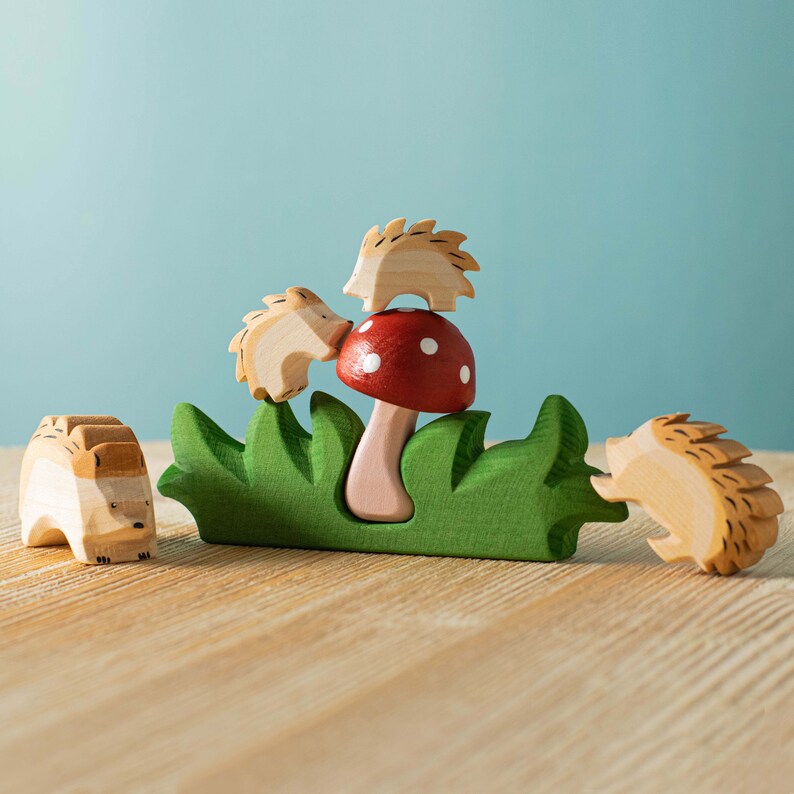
(413, 358)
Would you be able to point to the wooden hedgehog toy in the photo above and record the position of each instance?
(416, 261)
(277, 345)
(84, 482)
(717, 509)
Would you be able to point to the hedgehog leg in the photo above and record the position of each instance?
(44, 531)
(83, 552)
(606, 487)
(670, 549)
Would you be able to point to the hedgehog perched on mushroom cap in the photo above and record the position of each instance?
(418, 261)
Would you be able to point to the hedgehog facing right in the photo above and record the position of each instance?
(717, 509)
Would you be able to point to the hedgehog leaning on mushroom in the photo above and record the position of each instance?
(409, 360)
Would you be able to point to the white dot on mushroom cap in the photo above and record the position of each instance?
(406, 310)
(465, 374)
(371, 362)
(365, 326)
(428, 345)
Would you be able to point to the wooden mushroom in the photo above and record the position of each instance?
(409, 360)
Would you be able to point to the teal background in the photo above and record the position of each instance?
(624, 172)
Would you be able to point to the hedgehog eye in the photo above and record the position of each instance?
(114, 505)
(324, 317)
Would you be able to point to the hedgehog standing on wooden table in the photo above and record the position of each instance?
(84, 482)
(718, 510)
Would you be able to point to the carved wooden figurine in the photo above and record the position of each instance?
(414, 262)
(409, 360)
(277, 345)
(84, 482)
(717, 509)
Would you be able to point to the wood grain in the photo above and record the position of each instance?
(277, 345)
(419, 261)
(717, 507)
(216, 668)
(374, 487)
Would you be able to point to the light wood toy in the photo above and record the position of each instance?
(277, 345)
(84, 482)
(409, 360)
(418, 261)
(717, 509)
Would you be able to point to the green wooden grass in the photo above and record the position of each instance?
(519, 500)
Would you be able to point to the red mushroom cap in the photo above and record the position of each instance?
(412, 358)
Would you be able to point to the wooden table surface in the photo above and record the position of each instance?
(219, 668)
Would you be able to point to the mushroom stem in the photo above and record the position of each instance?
(374, 490)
